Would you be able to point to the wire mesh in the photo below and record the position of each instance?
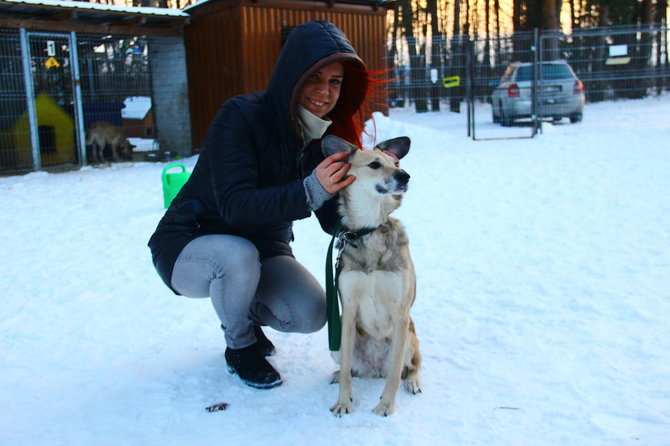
(613, 63)
(115, 83)
(13, 156)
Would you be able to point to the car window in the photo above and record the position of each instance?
(549, 72)
(556, 71)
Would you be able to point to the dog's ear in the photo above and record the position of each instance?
(398, 146)
(331, 145)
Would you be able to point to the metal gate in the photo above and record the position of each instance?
(487, 117)
(55, 86)
(50, 89)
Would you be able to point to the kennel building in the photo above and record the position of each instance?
(232, 45)
(65, 65)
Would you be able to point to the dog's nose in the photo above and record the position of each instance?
(401, 177)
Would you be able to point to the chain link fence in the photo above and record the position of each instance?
(460, 74)
(70, 99)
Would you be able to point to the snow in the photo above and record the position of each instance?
(136, 107)
(543, 305)
(143, 144)
(193, 5)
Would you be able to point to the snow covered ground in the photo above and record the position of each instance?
(543, 303)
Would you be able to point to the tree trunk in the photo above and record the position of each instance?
(516, 15)
(418, 75)
(598, 58)
(645, 47)
(436, 54)
(551, 24)
(517, 7)
(664, 56)
(456, 56)
(398, 93)
(573, 19)
(487, 36)
(496, 6)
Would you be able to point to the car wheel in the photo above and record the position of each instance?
(577, 117)
(496, 119)
(506, 121)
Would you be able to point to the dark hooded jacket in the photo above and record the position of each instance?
(248, 181)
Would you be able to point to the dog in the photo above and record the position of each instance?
(377, 282)
(102, 133)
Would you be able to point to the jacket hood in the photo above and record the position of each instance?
(309, 47)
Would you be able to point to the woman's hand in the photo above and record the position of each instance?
(332, 172)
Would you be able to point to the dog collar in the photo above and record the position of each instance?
(348, 237)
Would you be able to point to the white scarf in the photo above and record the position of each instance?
(311, 125)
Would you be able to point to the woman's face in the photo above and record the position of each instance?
(321, 90)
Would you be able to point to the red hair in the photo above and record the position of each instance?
(361, 89)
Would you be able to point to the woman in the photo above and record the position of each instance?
(226, 235)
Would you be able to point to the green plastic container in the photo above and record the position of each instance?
(173, 182)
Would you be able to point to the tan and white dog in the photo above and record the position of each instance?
(102, 133)
(377, 283)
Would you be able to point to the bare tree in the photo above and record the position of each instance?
(418, 74)
(496, 6)
(573, 17)
(456, 55)
(664, 54)
(552, 25)
(487, 37)
(436, 53)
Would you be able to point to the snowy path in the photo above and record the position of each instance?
(543, 303)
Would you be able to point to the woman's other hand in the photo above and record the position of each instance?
(332, 172)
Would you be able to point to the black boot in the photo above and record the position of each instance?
(252, 368)
(265, 346)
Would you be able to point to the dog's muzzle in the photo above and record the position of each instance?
(397, 184)
(402, 179)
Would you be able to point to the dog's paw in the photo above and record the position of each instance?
(384, 408)
(335, 378)
(412, 385)
(342, 408)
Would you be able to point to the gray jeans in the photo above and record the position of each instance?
(277, 291)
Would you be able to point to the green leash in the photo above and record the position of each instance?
(332, 302)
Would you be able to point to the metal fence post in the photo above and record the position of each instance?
(30, 100)
(537, 55)
(470, 78)
(78, 108)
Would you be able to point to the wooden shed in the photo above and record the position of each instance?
(232, 45)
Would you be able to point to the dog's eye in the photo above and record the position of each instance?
(374, 165)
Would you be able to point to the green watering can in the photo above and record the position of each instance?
(173, 182)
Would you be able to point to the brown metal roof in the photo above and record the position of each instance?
(385, 3)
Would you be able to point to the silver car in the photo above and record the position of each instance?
(560, 93)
